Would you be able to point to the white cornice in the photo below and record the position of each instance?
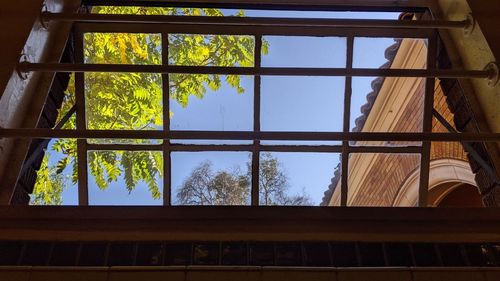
(389, 106)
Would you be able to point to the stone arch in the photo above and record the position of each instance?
(456, 195)
(445, 175)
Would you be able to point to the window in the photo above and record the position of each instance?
(262, 108)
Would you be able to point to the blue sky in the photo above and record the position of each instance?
(287, 104)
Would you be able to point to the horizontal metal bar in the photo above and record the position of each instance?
(301, 148)
(26, 133)
(127, 147)
(271, 71)
(252, 30)
(385, 149)
(253, 21)
(209, 147)
(348, 6)
(250, 147)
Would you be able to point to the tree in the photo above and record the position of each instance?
(133, 101)
(273, 184)
(49, 185)
(206, 187)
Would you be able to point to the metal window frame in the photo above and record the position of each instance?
(256, 135)
(302, 5)
(256, 27)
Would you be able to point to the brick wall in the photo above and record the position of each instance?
(389, 171)
(439, 150)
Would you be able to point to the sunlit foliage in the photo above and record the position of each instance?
(132, 101)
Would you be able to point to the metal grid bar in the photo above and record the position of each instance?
(271, 71)
(253, 21)
(129, 147)
(81, 124)
(235, 135)
(256, 124)
(425, 156)
(255, 30)
(257, 27)
(167, 179)
(344, 185)
(259, 148)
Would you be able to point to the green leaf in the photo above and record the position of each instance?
(61, 165)
(133, 101)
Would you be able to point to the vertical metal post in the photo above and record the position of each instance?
(344, 189)
(81, 123)
(166, 123)
(256, 123)
(425, 157)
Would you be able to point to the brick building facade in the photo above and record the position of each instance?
(396, 105)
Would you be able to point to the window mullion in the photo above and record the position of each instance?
(166, 123)
(256, 122)
(81, 123)
(425, 157)
(346, 123)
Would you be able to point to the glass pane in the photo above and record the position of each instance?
(56, 181)
(384, 180)
(210, 178)
(64, 254)
(344, 254)
(209, 142)
(140, 10)
(302, 103)
(390, 53)
(122, 48)
(178, 253)
(364, 94)
(93, 254)
(206, 253)
(372, 254)
(319, 14)
(211, 102)
(425, 254)
(125, 177)
(241, 12)
(302, 51)
(234, 253)
(398, 254)
(292, 178)
(124, 101)
(292, 143)
(317, 254)
(479, 254)
(261, 253)
(149, 254)
(452, 254)
(211, 50)
(387, 105)
(288, 254)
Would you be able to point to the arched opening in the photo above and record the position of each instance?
(459, 195)
(447, 177)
